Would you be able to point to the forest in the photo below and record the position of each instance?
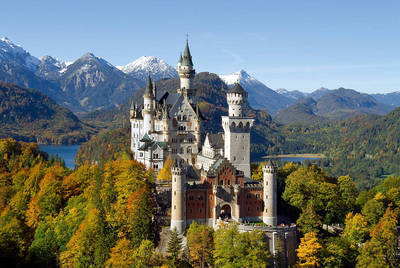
(105, 215)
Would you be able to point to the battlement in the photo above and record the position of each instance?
(270, 168)
(178, 171)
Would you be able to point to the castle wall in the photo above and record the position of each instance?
(251, 204)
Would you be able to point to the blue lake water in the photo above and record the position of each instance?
(66, 152)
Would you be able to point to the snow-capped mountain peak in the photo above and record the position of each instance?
(157, 67)
(241, 77)
(15, 53)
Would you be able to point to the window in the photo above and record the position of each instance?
(141, 154)
(229, 182)
(210, 197)
(200, 210)
(155, 166)
(248, 196)
(248, 208)
(220, 182)
(189, 150)
(155, 155)
(174, 192)
(191, 197)
(174, 207)
(257, 196)
(266, 197)
(258, 208)
(200, 197)
(190, 211)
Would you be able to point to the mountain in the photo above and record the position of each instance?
(337, 104)
(319, 93)
(293, 94)
(29, 115)
(15, 53)
(302, 112)
(260, 96)
(392, 98)
(96, 84)
(158, 68)
(50, 68)
(345, 103)
(88, 84)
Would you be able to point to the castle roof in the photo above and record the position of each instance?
(148, 91)
(146, 138)
(216, 140)
(187, 58)
(163, 145)
(237, 88)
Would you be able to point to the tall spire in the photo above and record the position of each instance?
(187, 58)
(149, 87)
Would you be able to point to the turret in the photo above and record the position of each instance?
(148, 108)
(132, 110)
(154, 96)
(270, 194)
(197, 127)
(236, 98)
(165, 122)
(178, 204)
(186, 73)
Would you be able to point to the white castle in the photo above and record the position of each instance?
(170, 124)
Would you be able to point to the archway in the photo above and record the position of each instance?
(225, 212)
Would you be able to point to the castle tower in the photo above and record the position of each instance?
(186, 73)
(154, 96)
(237, 130)
(165, 122)
(270, 194)
(148, 108)
(178, 204)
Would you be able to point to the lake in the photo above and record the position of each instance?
(66, 152)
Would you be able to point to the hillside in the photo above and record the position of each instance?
(29, 115)
(302, 112)
(335, 104)
(366, 147)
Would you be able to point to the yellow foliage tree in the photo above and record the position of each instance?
(165, 173)
(308, 251)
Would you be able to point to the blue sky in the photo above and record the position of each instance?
(297, 45)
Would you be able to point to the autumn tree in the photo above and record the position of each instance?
(234, 249)
(309, 251)
(382, 249)
(356, 229)
(200, 244)
(309, 221)
(165, 173)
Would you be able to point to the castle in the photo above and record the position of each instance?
(211, 181)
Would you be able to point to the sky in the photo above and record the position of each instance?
(296, 45)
